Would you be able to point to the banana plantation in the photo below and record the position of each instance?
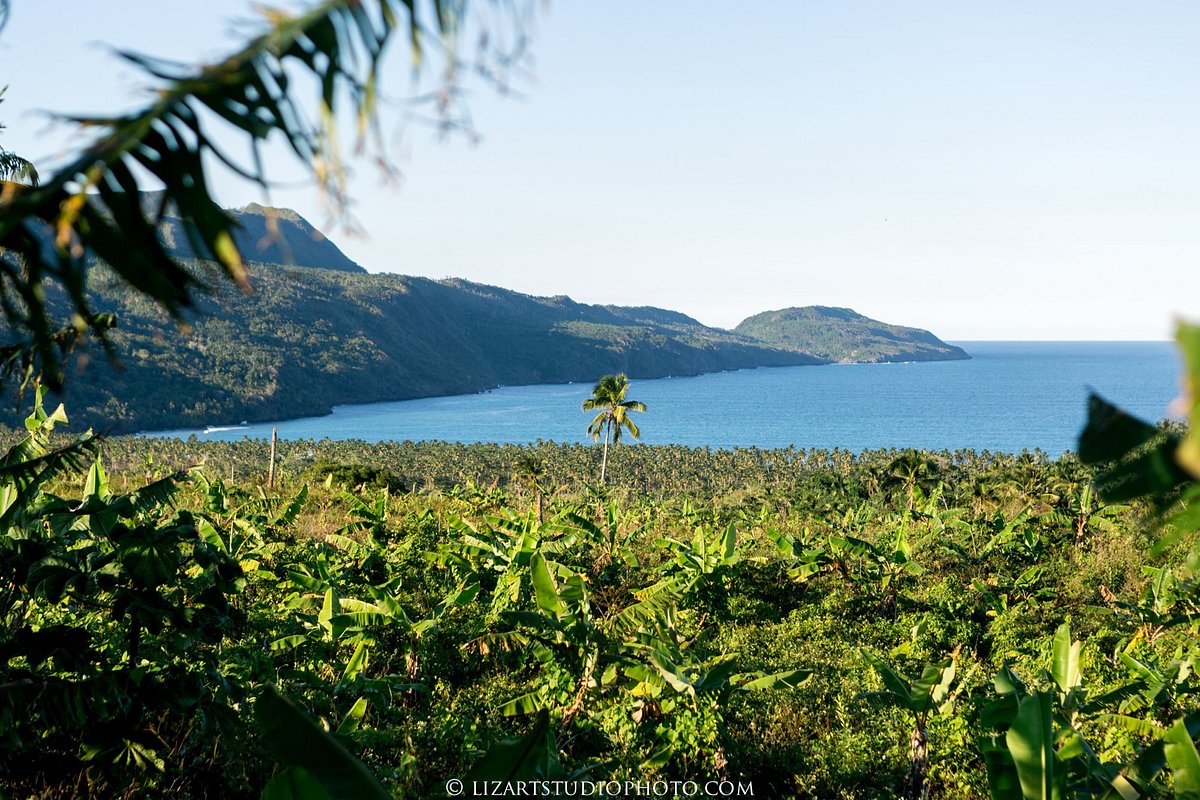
(386, 618)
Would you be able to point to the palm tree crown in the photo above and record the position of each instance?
(609, 397)
(12, 166)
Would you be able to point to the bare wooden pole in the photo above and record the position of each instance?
(271, 468)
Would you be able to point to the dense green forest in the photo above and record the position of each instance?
(811, 623)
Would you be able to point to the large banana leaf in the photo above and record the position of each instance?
(1030, 742)
(296, 741)
(1184, 761)
(1003, 781)
(528, 757)
(1064, 666)
(544, 588)
(757, 682)
(917, 696)
(897, 686)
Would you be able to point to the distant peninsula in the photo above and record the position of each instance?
(320, 331)
(844, 336)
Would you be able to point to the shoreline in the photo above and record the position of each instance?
(250, 421)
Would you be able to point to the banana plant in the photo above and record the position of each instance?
(596, 664)
(1160, 684)
(943, 523)
(1085, 513)
(366, 537)
(112, 611)
(369, 520)
(709, 558)
(1001, 594)
(590, 664)
(683, 689)
(920, 697)
(880, 570)
(1009, 530)
(314, 578)
(477, 498)
(562, 635)
(501, 549)
(806, 560)
(361, 624)
(1040, 740)
(246, 527)
(609, 538)
(1165, 602)
(1037, 750)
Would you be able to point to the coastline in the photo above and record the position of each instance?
(250, 420)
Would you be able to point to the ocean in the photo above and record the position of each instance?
(1010, 396)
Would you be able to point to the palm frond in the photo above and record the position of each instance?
(609, 396)
(15, 168)
(93, 206)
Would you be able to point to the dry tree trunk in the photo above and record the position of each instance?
(581, 693)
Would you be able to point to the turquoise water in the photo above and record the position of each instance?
(1010, 396)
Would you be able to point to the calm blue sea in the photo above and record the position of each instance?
(1010, 396)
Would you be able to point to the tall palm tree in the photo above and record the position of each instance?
(530, 470)
(609, 396)
(910, 470)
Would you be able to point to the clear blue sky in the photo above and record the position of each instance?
(1023, 170)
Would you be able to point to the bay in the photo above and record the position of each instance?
(1010, 396)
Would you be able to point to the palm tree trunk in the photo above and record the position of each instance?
(604, 460)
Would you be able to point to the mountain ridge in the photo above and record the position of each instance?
(314, 336)
(263, 234)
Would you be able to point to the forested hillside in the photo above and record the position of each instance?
(309, 339)
(845, 336)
